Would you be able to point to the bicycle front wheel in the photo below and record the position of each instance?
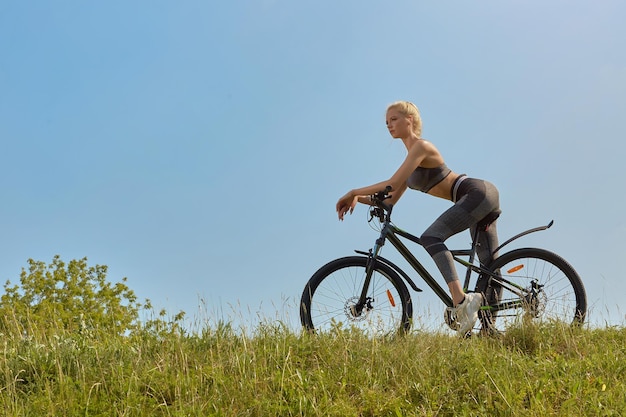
(329, 299)
(533, 284)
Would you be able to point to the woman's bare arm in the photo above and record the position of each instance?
(418, 152)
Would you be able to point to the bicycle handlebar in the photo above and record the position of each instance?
(381, 210)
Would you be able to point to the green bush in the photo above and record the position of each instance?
(71, 297)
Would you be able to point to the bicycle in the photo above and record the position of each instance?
(368, 291)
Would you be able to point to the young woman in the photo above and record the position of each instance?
(424, 170)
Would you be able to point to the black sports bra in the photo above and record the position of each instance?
(423, 179)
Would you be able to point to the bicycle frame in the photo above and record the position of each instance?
(392, 234)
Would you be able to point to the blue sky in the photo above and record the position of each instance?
(198, 147)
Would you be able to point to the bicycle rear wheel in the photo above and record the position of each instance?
(329, 298)
(533, 284)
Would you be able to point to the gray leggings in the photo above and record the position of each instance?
(475, 199)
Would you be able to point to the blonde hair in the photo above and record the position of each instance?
(407, 108)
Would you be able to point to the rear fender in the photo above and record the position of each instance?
(524, 233)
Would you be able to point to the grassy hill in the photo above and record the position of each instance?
(551, 370)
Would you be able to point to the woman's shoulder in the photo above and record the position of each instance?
(424, 145)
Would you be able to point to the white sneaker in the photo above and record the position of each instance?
(467, 312)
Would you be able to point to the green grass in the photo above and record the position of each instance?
(551, 370)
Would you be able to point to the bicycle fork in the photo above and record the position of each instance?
(365, 303)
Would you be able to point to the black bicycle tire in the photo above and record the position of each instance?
(359, 262)
(490, 292)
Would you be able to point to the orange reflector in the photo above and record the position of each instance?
(391, 300)
(515, 269)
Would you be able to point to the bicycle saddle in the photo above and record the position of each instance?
(486, 221)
